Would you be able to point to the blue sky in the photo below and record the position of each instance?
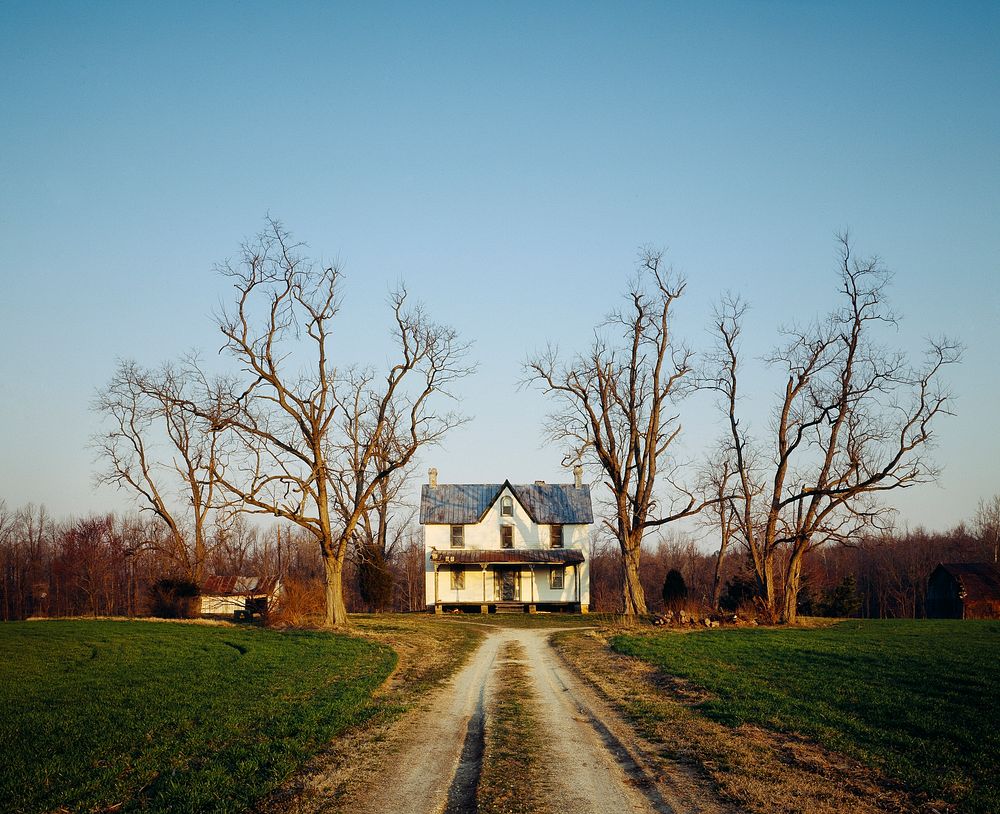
(506, 161)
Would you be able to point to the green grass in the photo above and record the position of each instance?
(170, 717)
(920, 700)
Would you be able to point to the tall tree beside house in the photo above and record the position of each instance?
(313, 442)
(615, 412)
(852, 421)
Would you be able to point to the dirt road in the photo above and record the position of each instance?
(592, 761)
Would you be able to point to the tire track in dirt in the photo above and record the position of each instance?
(593, 763)
(439, 764)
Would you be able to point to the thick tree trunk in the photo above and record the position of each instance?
(333, 581)
(793, 579)
(634, 598)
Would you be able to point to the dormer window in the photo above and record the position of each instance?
(506, 506)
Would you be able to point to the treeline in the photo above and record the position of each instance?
(881, 577)
(109, 565)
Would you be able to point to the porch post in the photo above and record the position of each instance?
(437, 607)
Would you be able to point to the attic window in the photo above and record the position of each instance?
(506, 537)
(506, 506)
(555, 536)
(458, 536)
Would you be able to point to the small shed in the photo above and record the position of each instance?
(968, 590)
(242, 597)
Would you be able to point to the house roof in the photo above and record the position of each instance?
(530, 556)
(463, 503)
(979, 580)
(223, 585)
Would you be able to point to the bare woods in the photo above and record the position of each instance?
(110, 565)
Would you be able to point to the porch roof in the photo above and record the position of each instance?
(510, 556)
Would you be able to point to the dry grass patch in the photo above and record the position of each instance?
(758, 770)
(513, 778)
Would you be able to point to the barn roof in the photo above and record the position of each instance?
(508, 555)
(231, 585)
(462, 503)
(979, 580)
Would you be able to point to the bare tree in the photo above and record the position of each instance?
(853, 420)
(614, 412)
(987, 524)
(314, 446)
(721, 514)
(163, 454)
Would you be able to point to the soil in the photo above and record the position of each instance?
(592, 762)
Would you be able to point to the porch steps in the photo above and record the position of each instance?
(511, 607)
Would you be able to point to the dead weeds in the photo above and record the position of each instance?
(513, 778)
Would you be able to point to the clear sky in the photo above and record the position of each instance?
(505, 160)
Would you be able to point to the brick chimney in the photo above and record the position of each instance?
(578, 476)
(432, 476)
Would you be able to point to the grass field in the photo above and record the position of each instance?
(123, 716)
(919, 700)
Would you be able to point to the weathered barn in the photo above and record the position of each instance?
(968, 590)
(242, 597)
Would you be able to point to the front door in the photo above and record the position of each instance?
(508, 586)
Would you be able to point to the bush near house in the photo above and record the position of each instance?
(159, 716)
(915, 699)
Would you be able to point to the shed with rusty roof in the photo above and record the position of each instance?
(239, 596)
(968, 590)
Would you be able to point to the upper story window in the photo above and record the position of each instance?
(555, 536)
(506, 506)
(506, 536)
(458, 536)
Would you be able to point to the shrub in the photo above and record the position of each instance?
(172, 598)
(674, 590)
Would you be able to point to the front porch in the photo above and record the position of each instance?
(506, 580)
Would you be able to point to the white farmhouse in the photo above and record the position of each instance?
(501, 546)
